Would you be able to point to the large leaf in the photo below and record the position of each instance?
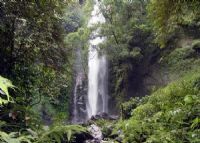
(5, 84)
(13, 138)
(59, 132)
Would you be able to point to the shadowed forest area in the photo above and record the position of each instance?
(99, 71)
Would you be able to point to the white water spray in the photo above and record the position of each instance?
(97, 68)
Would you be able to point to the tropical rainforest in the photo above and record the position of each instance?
(153, 54)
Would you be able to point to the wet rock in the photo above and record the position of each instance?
(196, 47)
(104, 115)
(96, 133)
(82, 137)
(118, 139)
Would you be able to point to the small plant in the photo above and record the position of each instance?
(57, 134)
(127, 107)
(5, 84)
(14, 137)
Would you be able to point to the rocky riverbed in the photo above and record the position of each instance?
(95, 132)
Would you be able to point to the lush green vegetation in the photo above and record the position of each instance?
(170, 114)
(37, 58)
(170, 16)
(154, 42)
(153, 48)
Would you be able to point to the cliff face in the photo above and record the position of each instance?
(153, 67)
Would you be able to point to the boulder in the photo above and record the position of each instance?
(103, 115)
(82, 137)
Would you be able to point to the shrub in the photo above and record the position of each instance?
(171, 114)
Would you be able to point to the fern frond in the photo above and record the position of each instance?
(13, 138)
(58, 133)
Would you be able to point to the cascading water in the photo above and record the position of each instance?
(86, 105)
(97, 68)
(103, 85)
(79, 109)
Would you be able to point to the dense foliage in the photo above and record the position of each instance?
(168, 16)
(30, 33)
(129, 43)
(170, 114)
(137, 31)
(38, 60)
(153, 48)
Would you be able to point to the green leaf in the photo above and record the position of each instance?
(195, 123)
(69, 134)
(13, 138)
(189, 99)
(4, 85)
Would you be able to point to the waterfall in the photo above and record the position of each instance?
(103, 84)
(97, 68)
(79, 90)
(92, 98)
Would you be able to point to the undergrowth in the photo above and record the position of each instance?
(169, 115)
